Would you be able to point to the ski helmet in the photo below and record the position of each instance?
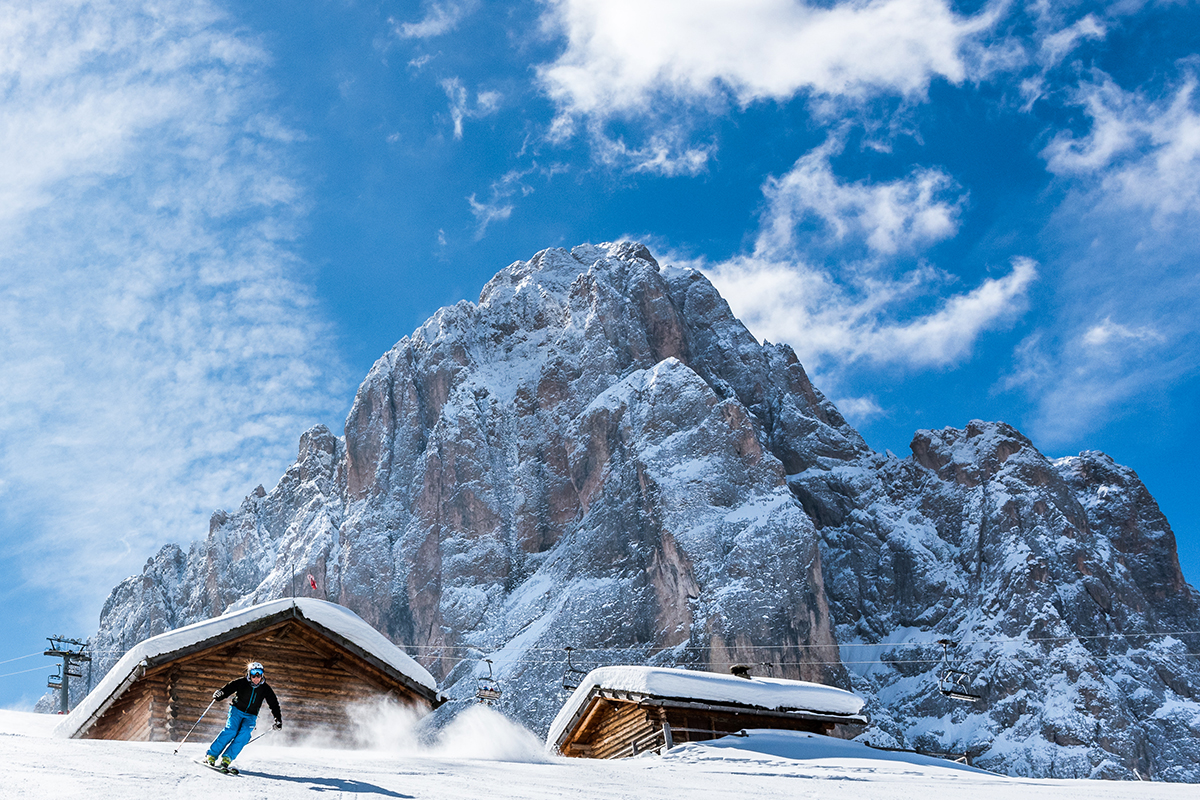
(254, 669)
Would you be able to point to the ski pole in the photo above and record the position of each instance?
(256, 738)
(189, 733)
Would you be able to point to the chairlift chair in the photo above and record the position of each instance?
(488, 689)
(573, 675)
(952, 682)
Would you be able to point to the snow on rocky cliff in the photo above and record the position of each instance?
(597, 454)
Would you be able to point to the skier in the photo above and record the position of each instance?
(248, 696)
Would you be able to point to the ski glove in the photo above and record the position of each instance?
(278, 724)
(218, 694)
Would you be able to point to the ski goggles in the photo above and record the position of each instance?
(256, 673)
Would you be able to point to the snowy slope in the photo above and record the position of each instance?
(485, 756)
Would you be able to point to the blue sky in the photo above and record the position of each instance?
(214, 216)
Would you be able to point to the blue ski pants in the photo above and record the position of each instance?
(237, 732)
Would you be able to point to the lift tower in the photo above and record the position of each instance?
(71, 653)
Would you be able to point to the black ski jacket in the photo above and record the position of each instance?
(248, 698)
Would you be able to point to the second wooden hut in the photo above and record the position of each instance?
(625, 710)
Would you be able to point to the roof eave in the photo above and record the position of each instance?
(294, 612)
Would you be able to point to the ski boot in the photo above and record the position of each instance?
(227, 765)
(210, 761)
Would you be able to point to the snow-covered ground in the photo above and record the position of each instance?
(482, 755)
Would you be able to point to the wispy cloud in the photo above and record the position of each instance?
(498, 207)
(1126, 240)
(859, 410)
(494, 210)
(1055, 46)
(1142, 152)
(439, 19)
(486, 103)
(667, 152)
(1090, 378)
(160, 356)
(1107, 333)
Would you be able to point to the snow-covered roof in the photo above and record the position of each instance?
(330, 616)
(773, 694)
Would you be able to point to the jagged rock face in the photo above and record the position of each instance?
(1043, 573)
(598, 454)
(592, 455)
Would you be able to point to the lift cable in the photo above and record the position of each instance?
(18, 658)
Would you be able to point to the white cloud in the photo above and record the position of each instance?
(160, 357)
(838, 312)
(497, 207)
(858, 410)
(1114, 131)
(666, 153)
(1057, 45)
(622, 55)
(1107, 332)
(1139, 151)
(439, 19)
(486, 213)
(486, 103)
(899, 215)
(456, 93)
(835, 324)
(1053, 39)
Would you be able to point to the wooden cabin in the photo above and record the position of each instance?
(320, 658)
(622, 711)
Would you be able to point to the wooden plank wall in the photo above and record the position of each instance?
(129, 717)
(614, 729)
(316, 683)
(615, 726)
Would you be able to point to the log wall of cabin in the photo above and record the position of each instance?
(612, 730)
(129, 717)
(315, 681)
(613, 727)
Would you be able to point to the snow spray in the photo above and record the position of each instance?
(481, 732)
(477, 732)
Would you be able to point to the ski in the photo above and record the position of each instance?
(219, 768)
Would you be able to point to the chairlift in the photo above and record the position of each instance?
(573, 675)
(953, 682)
(488, 689)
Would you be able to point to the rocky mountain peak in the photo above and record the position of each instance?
(959, 455)
(599, 454)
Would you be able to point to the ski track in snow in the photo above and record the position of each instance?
(36, 765)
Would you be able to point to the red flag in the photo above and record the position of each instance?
(312, 582)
